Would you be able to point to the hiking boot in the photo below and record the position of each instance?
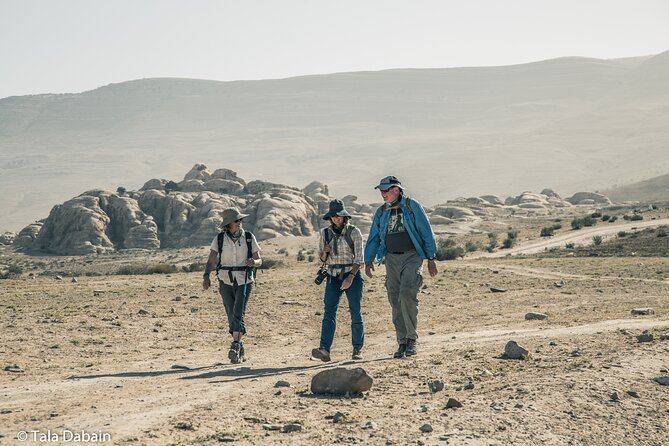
(321, 353)
(357, 354)
(235, 352)
(411, 347)
(401, 351)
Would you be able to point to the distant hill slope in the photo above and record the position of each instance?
(656, 188)
(570, 124)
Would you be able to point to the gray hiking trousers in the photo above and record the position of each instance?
(404, 278)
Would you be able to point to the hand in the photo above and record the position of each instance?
(250, 262)
(346, 284)
(206, 283)
(369, 267)
(432, 268)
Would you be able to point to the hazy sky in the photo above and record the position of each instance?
(56, 46)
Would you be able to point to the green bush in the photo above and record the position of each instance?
(511, 239)
(271, 263)
(492, 242)
(596, 215)
(579, 223)
(569, 245)
(597, 240)
(447, 250)
(301, 257)
(547, 232)
(621, 234)
(471, 246)
(606, 217)
(556, 226)
(636, 217)
(144, 269)
(613, 218)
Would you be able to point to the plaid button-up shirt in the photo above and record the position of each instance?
(343, 254)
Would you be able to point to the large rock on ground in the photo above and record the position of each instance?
(283, 212)
(340, 381)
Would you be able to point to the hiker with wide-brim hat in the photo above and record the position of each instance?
(340, 250)
(234, 255)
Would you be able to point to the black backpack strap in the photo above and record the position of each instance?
(349, 239)
(220, 250)
(249, 253)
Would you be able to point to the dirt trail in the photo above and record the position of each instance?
(139, 397)
(581, 236)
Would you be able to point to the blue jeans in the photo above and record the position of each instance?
(331, 301)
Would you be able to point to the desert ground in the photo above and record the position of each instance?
(143, 358)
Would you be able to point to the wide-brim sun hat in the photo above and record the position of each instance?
(231, 215)
(388, 182)
(336, 208)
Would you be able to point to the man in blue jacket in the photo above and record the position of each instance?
(401, 233)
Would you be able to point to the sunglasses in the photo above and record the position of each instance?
(238, 221)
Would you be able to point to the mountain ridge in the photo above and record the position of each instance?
(568, 123)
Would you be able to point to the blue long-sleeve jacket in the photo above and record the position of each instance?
(416, 224)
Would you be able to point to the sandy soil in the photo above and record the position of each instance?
(92, 362)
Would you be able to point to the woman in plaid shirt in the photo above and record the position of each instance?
(341, 249)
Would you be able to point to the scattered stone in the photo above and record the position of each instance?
(272, 427)
(497, 290)
(645, 337)
(615, 396)
(282, 384)
(633, 394)
(664, 371)
(339, 381)
(339, 417)
(179, 367)
(152, 290)
(193, 296)
(559, 284)
(642, 311)
(663, 380)
(518, 406)
(514, 351)
(371, 425)
(664, 337)
(53, 414)
(575, 354)
(97, 292)
(423, 408)
(255, 420)
(552, 344)
(142, 312)
(452, 403)
(6, 411)
(292, 302)
(432, 333)
(291, 427)
(74, 280)
(277, 393)
(225, 438)
(436, 385)
(15, 368)
(426, 428)
(177, 298)
(469, 386)
(59, 277)
(535, 316)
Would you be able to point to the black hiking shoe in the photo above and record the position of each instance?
(235, 352)
(321, 353)
(357, 354)
(411, 347)
(401, 351)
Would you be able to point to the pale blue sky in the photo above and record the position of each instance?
(57, 46)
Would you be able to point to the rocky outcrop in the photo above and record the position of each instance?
(7, 238)
(283, 212)
(584, 198)
(98, 221)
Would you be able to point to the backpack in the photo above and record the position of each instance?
(249, 253)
